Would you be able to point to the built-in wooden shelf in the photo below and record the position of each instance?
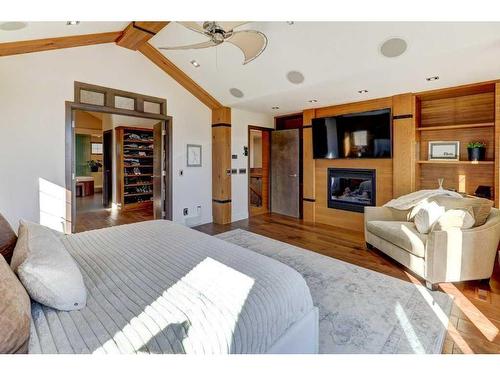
(137, 157)
(137, 148)
(134, 141)
(133, 185)
(137, 194)
(459, 126)
(459, 162)
(138, 175)
(139, 166)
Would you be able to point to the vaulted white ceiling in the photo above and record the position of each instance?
(338, 59)
(42, 30)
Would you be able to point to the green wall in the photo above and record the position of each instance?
(82, 154)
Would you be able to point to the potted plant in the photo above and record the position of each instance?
(476, 150)
(94, 165)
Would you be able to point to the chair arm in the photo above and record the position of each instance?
(459, 255)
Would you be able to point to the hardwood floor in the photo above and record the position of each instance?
(91, 215)
(475, 318)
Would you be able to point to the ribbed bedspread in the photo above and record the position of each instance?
(159, 287)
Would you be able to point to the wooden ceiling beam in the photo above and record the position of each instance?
(39, 45)
(139, 32)
(182, 78)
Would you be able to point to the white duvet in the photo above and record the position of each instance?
(158, 287)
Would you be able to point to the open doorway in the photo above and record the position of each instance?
(115, 162)
(258, 166)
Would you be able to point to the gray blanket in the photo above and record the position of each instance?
(158, 287)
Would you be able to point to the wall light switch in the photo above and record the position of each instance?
(243, 170)
(181, 172)
(234, 156)
(234, 171)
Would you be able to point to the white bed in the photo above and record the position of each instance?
(158, 287)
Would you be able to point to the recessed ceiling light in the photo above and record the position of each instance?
(290, 22)
(312, 101)
(393, 47)
(12, 26)
(362, 91)
(237, 93)
(275, 107)
(295, 77)
(72, 23)
(195, 63)
(434, 78)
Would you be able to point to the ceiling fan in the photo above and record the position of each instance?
(251, 42)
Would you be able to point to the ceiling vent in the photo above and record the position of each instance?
(295, 77)
(237, 93)
(393, 47)
(12, 26)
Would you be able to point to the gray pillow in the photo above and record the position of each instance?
(46, 269)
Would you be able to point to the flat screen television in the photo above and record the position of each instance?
(357, 135)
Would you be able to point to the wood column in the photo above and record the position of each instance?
(404, 140)
(221, 165)
(497, 145)
(308, 170)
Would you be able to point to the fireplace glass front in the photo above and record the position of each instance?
(351, 189)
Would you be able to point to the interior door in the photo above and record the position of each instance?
(107, 167)
(285, 172)
(161, 156)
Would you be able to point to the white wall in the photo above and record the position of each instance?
(240, 120)
(33, 91)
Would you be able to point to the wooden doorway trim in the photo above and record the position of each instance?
(266, 172)
(108, 108)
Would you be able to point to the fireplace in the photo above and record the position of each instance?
(351, 189)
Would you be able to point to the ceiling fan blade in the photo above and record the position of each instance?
(193, 26)
(208, 43)
(228, 26)
(251, 42)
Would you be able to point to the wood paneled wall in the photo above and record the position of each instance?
(403, 144)
(315, 201)
(308, 171)
(452, 110)
(221, 165)
(497, 145)
(347, 219)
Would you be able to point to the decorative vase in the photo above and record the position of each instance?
(477, 153)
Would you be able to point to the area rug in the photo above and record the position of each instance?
(360, 311)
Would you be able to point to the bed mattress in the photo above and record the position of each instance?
(159, 287)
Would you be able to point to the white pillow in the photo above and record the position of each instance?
(46, 269)
(463, 219)
(427, 216)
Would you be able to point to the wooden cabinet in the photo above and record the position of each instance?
(463, 114)
(134, 169)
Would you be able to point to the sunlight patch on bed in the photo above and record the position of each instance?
(210, 293)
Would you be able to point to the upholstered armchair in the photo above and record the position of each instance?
(440, 256)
